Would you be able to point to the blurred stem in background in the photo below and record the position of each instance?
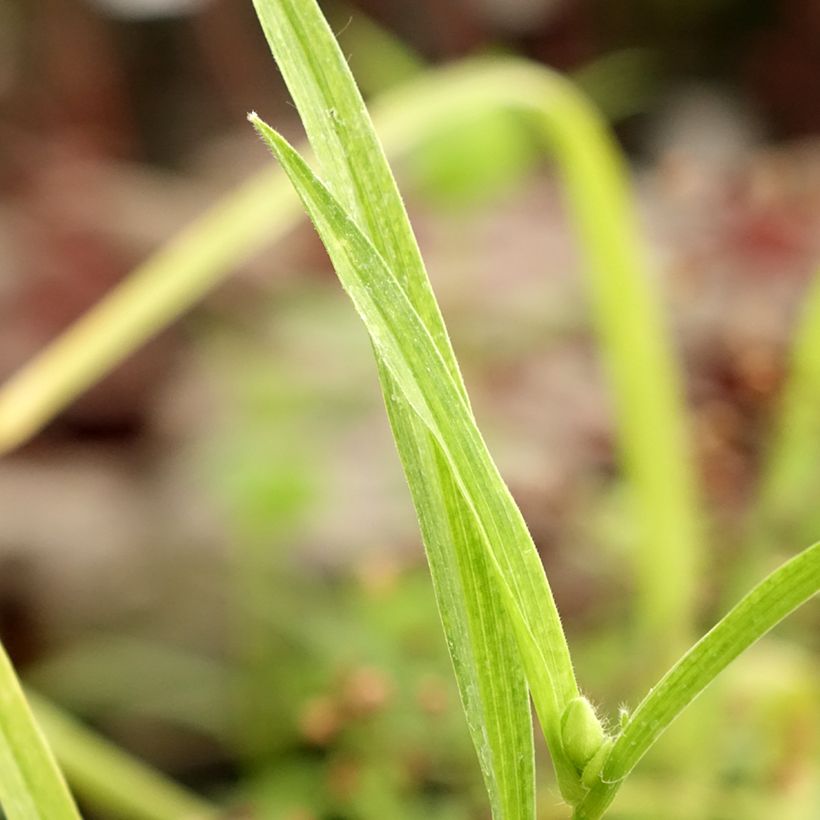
(787, 508)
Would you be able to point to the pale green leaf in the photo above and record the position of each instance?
(409, 353)
(791, 475)
(31, 785)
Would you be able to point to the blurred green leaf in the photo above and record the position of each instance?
(469, 162)
(407, 350)
(31, 785)
(791, 476)
(112, 779)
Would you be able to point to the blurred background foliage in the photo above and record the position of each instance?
(211, 556)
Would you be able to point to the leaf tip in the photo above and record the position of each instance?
(272, 138)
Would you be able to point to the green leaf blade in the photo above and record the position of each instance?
(483, 649)
(493, 707)
(349, 154)
(498, 719)
(778, 595)
(407, 350)
(31, 784)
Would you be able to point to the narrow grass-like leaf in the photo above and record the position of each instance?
(114, 781)
(789, 586)
(791, 477)
(31, 784)
(479, 639)
(491, 680)
(408, 352)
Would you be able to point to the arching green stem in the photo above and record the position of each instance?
(643, 373)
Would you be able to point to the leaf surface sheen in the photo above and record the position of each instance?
(472, 530)
(407, 352)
